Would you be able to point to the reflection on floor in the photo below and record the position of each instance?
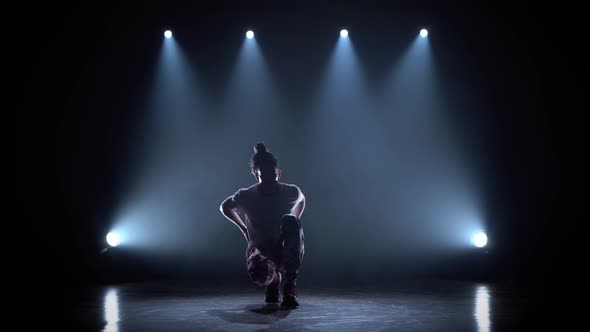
(430, 306)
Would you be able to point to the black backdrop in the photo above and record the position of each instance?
(518, 61)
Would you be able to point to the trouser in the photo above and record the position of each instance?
(264, 263)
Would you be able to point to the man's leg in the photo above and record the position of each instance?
(264, 272)
(292, 256)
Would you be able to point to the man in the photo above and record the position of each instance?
(271, 226)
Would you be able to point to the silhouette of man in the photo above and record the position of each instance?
(272, 227)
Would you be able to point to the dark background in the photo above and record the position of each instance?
(89, 69)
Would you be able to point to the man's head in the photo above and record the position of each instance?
(264, 165)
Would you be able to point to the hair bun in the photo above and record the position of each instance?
(260, 148)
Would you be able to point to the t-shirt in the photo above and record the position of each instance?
(263, 211)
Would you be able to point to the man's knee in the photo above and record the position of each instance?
(290, 223)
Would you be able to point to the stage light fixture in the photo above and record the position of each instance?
(250, 34)
(423, 33)
(113, 239)
(480, 239)
(343, 33)
(168, 34)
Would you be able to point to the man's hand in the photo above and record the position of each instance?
(246, 235)
(232, 215)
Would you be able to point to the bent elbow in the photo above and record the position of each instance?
(225, 207)
(222, 207)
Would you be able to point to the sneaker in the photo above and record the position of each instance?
(272, 290)
(290, 296)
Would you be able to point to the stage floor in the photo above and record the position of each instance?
(415, 306)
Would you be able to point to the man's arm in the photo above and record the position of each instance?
(229, 211)
(298, 209)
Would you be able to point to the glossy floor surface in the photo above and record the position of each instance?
(417, 306)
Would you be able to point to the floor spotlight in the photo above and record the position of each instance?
(168, 34)
(250, 34)
(423, 33)
(480, 239)
(343, 33)
(113, 239)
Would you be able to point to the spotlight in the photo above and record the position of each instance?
(250, 34)
(480, 239)
(168, 34)
(113, 239)
(423, 33)
(343, 33)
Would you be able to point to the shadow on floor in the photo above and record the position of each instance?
(252, 314)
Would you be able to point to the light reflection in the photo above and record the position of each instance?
(482, 309)
(111, 311)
